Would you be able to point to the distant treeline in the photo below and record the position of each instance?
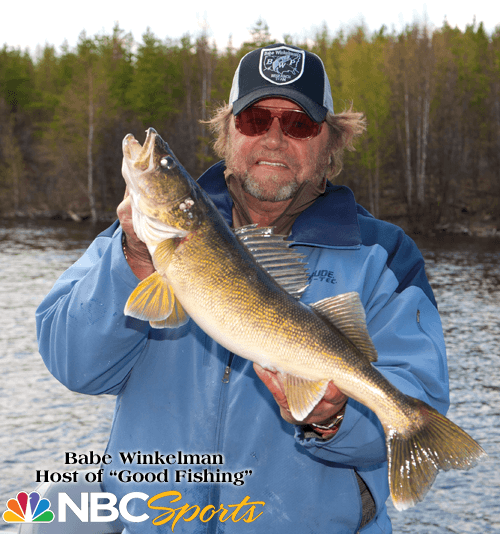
(431, 98)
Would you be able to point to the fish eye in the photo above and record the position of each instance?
(167, 162)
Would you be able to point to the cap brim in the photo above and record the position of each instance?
(314, 110)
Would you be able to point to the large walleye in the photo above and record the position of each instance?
(206, 271)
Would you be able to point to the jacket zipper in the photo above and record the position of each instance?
(214, 499)
(227, 370)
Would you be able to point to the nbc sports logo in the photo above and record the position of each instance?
(28, 509)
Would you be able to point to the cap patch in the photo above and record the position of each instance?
(281, 65)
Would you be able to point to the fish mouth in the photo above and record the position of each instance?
(134, 152)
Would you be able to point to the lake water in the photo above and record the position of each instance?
(41, 419)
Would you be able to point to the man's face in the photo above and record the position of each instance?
(272, 166)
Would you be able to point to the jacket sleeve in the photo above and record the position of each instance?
(405, 327)
(84, 338)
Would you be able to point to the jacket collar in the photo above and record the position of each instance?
(332, 221)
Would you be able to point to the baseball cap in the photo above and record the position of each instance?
(285, 71)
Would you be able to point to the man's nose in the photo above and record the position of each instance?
(274, 138)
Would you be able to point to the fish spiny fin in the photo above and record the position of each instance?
(347, 314)
(303, 395)
(177, 318)
(276, 257)
(151, 300)
(418, 452)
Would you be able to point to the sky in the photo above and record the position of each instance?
(30, 23)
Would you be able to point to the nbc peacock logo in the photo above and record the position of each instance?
(28, 509)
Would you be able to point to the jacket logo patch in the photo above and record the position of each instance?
(323, 276)
(281, 65)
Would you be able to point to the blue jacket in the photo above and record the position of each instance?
(174, 391)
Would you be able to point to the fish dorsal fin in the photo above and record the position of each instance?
(273, 254)
(303, 395)
(153, 299)
(347, 314)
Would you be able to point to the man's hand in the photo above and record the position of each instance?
(136, 251)
(333, 401)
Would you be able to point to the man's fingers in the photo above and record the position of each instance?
(328, 406)
(124, 208)
(273, 384)
(124, 212)
(136, 251)
(334, 396)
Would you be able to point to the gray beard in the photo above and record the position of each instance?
(284, 192)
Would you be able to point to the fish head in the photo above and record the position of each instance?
(161, 190)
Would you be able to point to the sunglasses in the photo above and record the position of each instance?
(255, 121)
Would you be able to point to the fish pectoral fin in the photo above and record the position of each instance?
(346, 313)
(152, 300)
(163, 253)
(177, 318)
(303, 395)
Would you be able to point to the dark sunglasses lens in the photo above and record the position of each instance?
(253, 121)
(256, 121)
(298, 125)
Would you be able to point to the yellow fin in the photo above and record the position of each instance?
(163, 254)
(417, 453)
(303, 395)
(347, 314)
(151, 300)
(178, 317)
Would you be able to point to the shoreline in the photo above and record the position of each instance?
(465, 227)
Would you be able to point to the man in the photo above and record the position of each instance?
(177, 390)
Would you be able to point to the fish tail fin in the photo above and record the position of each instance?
(416, 455)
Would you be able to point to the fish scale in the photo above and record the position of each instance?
(205, 272)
